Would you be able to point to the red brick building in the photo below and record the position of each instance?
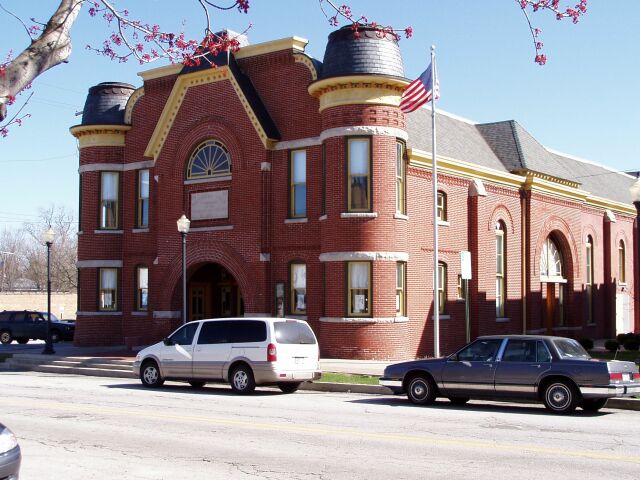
(309, 194)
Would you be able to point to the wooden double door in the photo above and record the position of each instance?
(214, 293)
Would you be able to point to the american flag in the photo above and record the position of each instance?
(419, 92)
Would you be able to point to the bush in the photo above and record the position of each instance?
(586, 343)
(623, 337)
(612, 345)
(632, 344)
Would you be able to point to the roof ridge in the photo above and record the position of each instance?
(516, 139)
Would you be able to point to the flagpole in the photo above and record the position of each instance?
(434, 180)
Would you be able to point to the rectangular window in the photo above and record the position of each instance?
(323, 207)
(298, 184)
(442, 207)
(401, 282)
(80, 203)
(143, 199)
(359, 285)
(109, 193)
(462, 294)
(108, 289)
(442, 287)
(500, 274)
(298, 279)
(589, 285)
(400, 179)
(622, 276)
(359, 173)
(142, 290)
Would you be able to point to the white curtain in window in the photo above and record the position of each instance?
(299, 276)
(144, 184)
(359, 157)
(359, 275)
(143, 277)
(109, 279)
(299, 166)
(109, 186)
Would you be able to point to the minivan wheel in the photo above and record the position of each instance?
(560, 397)
(421, 390)
(197, 384)
(150, 375)
(288, 387)
(5, 337)
(242, 380)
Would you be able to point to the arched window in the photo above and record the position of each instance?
(589, 278)
(501, 261)
(210, 159)
(550, 260)
(622, 276)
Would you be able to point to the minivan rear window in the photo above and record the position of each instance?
(294, 333)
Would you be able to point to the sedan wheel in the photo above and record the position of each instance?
(242, 380)
(421, 390)
(5, 337)
(560, 397)
(150, 375)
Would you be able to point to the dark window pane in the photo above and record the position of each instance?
(4, 316)
(214, 332)
(359, 193)
(543, 353)
(520, 351)
(248, 331)
(480, 351)
(184, 336)
(293, 333)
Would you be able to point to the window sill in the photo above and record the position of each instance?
(140, 230)
(591, 325)
(211, 229)
(364, 319)
(207, 180)
(101, 313)
(296, 220)
(322, 218)
(400, 216)
(108, 232)
(140, 313)
(502, 319)
(80, 232)
(443, 316)
(296, 317)
(359, 215)
(443, 223)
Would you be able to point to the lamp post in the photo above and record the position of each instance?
(183, 227)
(47, 238)
(635, 198)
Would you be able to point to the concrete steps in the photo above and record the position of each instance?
(95, 366)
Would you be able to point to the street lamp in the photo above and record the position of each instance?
(635, 198)
(183, 227)
(47, 238)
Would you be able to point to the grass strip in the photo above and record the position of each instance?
(331, 377)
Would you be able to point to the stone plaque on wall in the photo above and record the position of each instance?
(210, 205)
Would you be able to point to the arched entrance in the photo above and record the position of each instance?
(553, 284)
(213, 292)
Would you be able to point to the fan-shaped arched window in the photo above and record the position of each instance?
(550, 260)
(210, 159)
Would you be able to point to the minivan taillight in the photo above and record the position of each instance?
(272, 353)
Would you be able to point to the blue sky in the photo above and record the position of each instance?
(584, 102)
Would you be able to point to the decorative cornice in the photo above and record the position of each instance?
(358, 89)
(128, 111)
(177, 96)
(99, 264)
(306, 60)
(115, 167)
(161, 72)
(364, 256)
(300, 143)
(363, 130)
(293, 43)
(100, 135)
(550, 178)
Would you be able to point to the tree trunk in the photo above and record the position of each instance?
(51, 48)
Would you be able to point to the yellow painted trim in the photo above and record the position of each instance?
(294, 43)
(100, 135)
(530, 181)
(358, 89)
(304, 59)
(421, 159)
(160, 72)
(179, 92)
(128, 111)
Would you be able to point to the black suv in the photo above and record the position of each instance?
(28, 324)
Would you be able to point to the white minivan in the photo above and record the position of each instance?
(242, 351)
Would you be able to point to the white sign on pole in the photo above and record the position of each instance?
(465, 265)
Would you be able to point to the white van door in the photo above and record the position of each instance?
(176, 352)
(212, 349)
(297, 347)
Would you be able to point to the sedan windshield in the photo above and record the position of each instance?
(569, 348)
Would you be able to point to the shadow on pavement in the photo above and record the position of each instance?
(187, 389)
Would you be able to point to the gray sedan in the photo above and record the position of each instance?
(10, 456)
(555, 370)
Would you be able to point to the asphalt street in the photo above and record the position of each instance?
(77, 427)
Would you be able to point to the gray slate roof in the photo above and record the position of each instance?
(507, 146)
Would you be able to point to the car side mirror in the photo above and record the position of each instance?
(453, 357)
(167, 341)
